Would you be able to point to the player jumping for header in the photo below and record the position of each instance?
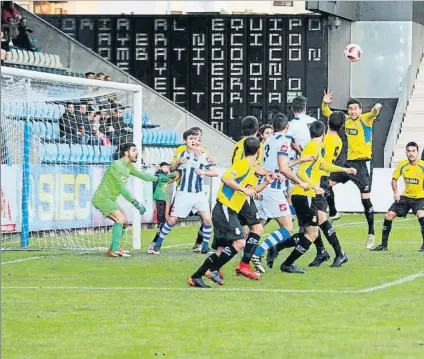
(358, 128)
(114, 184)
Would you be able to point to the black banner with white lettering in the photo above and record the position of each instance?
(220, 68)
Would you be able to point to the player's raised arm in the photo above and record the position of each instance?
(143, 175)
(326, 100)
(369, 117)
(329, 167)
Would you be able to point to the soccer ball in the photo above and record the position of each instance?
(353, 52)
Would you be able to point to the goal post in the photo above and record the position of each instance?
(59, 134)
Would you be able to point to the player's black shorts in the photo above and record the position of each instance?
(320, 203)
(249, 215)
(226, 226)
(307, 214)
(402, 207)
(362, 179)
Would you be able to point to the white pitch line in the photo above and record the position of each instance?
(22, 260)
(250, 290)
(397, 282)
(400, 281)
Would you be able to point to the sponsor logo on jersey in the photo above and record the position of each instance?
(412, 181)
(284, 148)
(351, 131)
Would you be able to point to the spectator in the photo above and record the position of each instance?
(422, 156)
(13, 29)
(104, 120)
(90, 75)
(100, 76)
(100, 135)
(23, 40)
(68, 125)
(161, 192)
(9, 12)
(84, 124)
(108, 78)
(125, 132)
(5, 47)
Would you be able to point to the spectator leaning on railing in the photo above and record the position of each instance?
(5, 47)
(9, 11)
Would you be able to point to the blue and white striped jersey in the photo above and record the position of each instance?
(299, 131)
(275, 146)
(191, 182)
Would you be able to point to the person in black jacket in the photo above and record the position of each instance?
(68, 124)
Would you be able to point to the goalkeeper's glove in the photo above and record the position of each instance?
(139, 206)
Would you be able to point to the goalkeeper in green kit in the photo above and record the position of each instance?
(114, 184)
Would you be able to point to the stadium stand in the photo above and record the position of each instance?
(412, 124)
(44, 117)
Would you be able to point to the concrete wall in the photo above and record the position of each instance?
(338, 66)
(343, 9)
(385, 10)
(386, 56)
(381, 126)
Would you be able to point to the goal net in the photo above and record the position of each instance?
(58, 135)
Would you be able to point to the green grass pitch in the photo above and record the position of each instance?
(90, 306)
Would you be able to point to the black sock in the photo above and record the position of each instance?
(319, 244)
(252, 241)
(387, 227)
(289, 243)
(227, 254)
(207, 264)
(199, 239)
(331, 202)
(301, 248)
(421, 220)
(369, 214)
(157, 236)
(330, 233)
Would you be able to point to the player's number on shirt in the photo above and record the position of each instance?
(336, 154)
(266, 152)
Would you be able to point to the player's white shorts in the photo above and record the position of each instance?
(185, 202)
(274, 204)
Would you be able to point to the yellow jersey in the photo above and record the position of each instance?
(241, 172)
(181, 149)
(358, 133)
(311, 172)
(238, 152)
(413, 176)
(331, 147)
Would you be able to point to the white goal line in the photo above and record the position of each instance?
(394, 283)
